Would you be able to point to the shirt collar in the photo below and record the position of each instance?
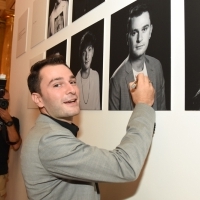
(72, 127)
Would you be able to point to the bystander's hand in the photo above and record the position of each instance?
(4, 114)
(143, 92)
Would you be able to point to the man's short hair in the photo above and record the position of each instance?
(136, 11)
(88, 39)
(34, 78)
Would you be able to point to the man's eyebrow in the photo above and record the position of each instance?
(146, 25)
(55, 79)
(60, 78)
(72, 76)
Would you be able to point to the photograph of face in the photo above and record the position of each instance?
(87, 45)
(59, 49)
(86, 57)
(81, 7)
(58, 16)
(192, 43)
(140, 29)
(140, 46)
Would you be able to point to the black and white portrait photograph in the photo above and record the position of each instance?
(81, 7)
(87, 65)
(59, 49)
(58, 16)
(192, 43)
(140, 43)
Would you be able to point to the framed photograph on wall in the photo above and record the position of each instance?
(58, 16)
(87, 65)
(60, 49)
(140, 42)
(81, 7)
(192, 43)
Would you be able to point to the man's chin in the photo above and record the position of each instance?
(87, 65)
(138, 55)
(75, 111)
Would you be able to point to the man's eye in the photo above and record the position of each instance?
(144, 29)
(57, 85)
(133, 33)
(73, 82)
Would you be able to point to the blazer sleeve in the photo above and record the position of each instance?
(66, 157)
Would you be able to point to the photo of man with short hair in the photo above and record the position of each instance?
(138, 34)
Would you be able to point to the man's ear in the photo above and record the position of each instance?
(36, 97)
(151, 29)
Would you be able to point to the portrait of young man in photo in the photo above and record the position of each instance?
(87, 65)
(139, 30)
(87, 78)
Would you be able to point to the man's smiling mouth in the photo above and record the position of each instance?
(70, 101)
(139, 47)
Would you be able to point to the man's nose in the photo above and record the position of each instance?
(86, 56)
(140, 37)
(70, 89)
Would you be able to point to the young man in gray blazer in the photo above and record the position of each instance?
(139, 30)
(57, 165)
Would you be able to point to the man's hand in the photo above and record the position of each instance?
(4, 114)
(13, 136)
(144, 91)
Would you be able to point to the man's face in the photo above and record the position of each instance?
(59, 92)
(87, 56)
(139, 35)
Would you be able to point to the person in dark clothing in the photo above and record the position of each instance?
(9, 137)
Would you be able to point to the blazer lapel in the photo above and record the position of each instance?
(129, 77)
(150, 71)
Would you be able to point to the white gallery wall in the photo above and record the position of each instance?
(171, 171)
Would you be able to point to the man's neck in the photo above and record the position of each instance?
(137, 63)
(68, 120)
(85, 73)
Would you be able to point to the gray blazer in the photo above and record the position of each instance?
(119, 95)
(58, 166)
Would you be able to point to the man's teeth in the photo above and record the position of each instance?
(73, 100)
